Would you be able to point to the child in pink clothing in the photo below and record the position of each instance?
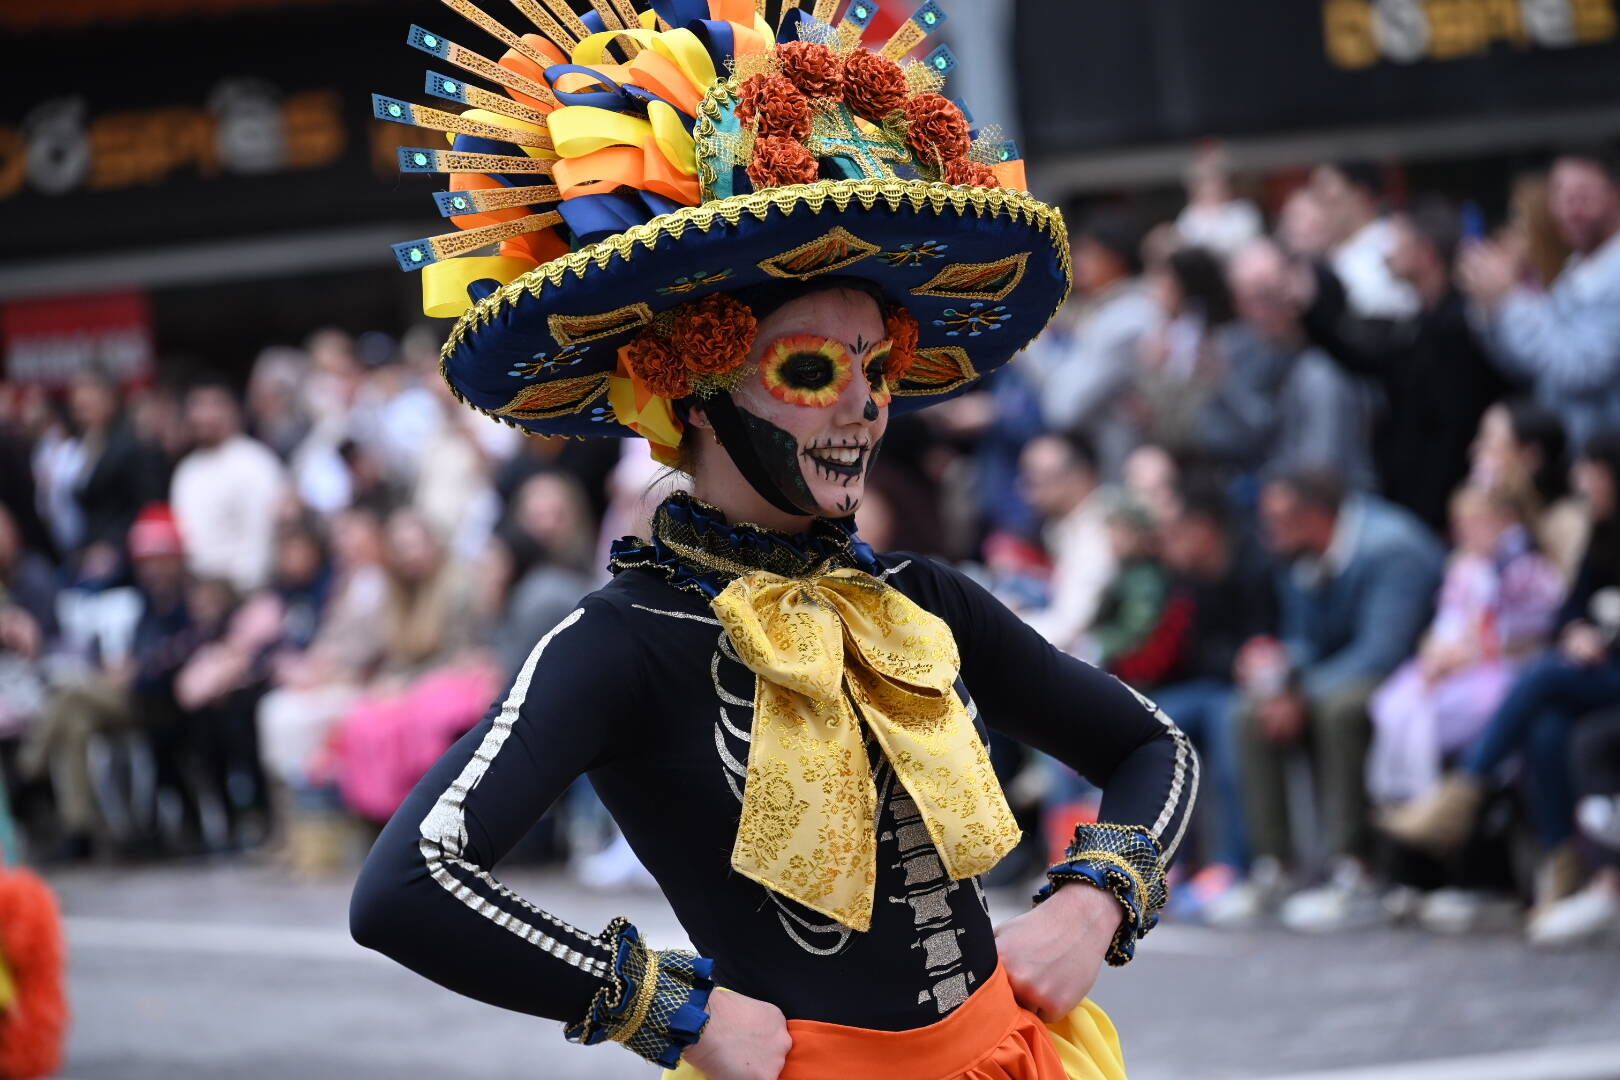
(1496, 606)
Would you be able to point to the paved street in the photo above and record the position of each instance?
(228, 970)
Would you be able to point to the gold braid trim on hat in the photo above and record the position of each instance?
(820, 197)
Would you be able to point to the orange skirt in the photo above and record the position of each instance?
(989, 1037)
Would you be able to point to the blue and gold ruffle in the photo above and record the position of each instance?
(1125, 860)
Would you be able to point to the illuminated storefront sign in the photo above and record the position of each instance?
(1361, 33)
(175, 122)
(245, 128)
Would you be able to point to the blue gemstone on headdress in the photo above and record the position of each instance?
(929, 16)
(860, 14)
(441, 86)
(413, 160)
(414, 254)
(428, 42)
(459, 202)
(395, 110)
(942, 60)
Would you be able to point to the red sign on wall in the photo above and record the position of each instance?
(48, 341)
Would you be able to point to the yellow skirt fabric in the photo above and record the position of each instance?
(990, 1037)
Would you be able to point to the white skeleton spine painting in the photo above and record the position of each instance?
(903, 846)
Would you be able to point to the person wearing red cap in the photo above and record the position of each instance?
(117, 696)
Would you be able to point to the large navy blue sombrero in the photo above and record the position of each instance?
(638, 162)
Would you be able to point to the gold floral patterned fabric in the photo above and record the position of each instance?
(832, 652)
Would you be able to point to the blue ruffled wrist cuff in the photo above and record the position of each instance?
(655, 1003)
(1124, 860)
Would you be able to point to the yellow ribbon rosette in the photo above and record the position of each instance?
(832, 652)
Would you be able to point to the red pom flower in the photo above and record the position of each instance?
(874, 86)
(774, 106)
(971, 174)
(714, 335)
(903, 330)
(815, 69)
(780, 161)
(33, 1030)
(655, 362)
(936, 129)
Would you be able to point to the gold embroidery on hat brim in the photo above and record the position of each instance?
(824, 196)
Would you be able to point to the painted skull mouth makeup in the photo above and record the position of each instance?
(845, 461)
(805, 421)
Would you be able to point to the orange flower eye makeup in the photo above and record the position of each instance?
(807, 370)
(877, 373)
(814, 371)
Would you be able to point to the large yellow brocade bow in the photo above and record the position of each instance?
(822, 647)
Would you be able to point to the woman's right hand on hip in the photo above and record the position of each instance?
(745, 1039)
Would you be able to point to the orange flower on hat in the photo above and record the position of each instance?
(652, 360)
(969, 173)
(780, 161)
(774, 106)
(815, 69)
(904, 331)
(874, 86)
(714, 335)
(936, 130)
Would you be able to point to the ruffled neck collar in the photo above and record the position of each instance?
(696, 549)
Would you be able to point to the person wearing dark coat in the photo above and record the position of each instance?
(120, 477)
(1435, 374)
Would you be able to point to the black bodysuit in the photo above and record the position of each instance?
(640, 688)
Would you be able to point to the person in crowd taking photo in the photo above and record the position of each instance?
(1435, 374)
(1566, 341)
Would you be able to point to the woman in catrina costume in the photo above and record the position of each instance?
(752, 243)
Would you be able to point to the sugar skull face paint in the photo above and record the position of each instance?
(806, 429)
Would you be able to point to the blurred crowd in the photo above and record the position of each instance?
(1333, 481)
